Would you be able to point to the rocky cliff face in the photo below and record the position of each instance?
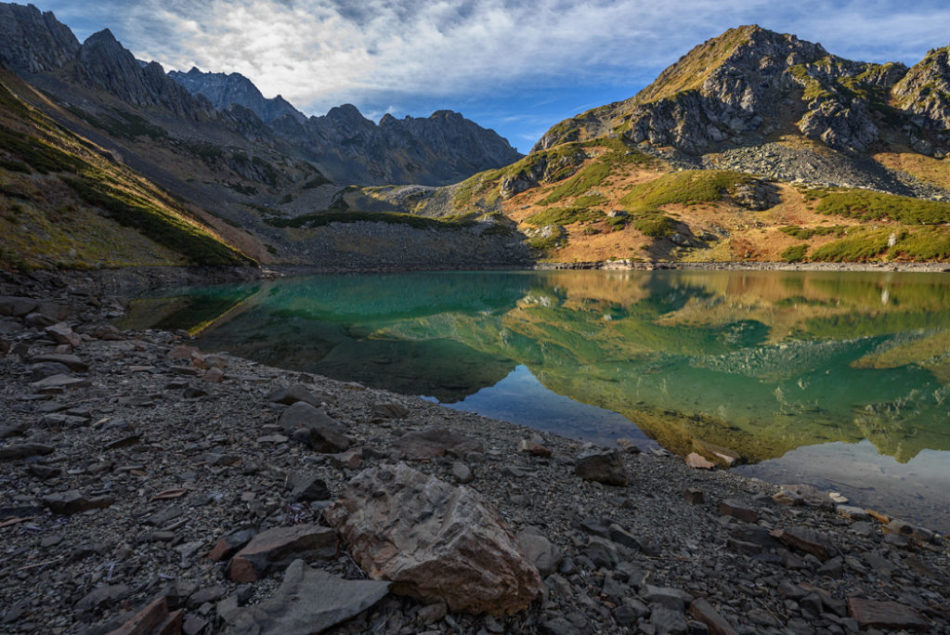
(751, 85)
(224, 89)
(34, 42)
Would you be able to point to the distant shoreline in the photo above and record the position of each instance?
(631, 265)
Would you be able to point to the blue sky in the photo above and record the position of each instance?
(515, 66)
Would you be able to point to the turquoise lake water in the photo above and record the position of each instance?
(836, 379)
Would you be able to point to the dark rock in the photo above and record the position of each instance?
(805, 540)
(736, 509)
(24, 450)
(17, 306)
(703, 611)
(694, 496)
(871, 613)
(307, 601)
(58, 383)
(154, 619)
(62, 334)
(106, 595)
(435, 541)
(229, 545)
(390, 410)
(432, 443)
(294, 394)
(622, 537)
(308, 487)
(73, 502)
(539, 551)
(320, 431)
(601, 466)
(276, 547)
(207, 594)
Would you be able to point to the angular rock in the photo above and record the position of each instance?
(694, 496)
(308, 487)
(432, 443)
(628, 445)
(893, 615)
(229, 545)
(699, 462)
(102, 596)
(622, 537)
(435, 541)
(534, 449)
(274, 548)
(736, 509)
(292, 394)
(390, 410)
(601, 466)
(854, 513)
(154, 619)
(703, 611)
(805, 540)
(23, 450)
(15, 306)
(182, 352)
(57, 383)
(307, 601)
(62, 334)
(539, 550)
(72, 502)
(313, 426)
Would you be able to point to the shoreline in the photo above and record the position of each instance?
(188, 448)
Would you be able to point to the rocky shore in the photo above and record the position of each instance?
(147, 486)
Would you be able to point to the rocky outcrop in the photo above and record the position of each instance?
(104, 63)
(34, 42)
(224, 89)
(750, 83)
(924, 94)
(434, 541)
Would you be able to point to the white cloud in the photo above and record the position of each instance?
(319, 53)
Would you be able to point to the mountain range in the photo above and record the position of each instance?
(755, 145)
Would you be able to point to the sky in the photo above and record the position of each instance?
(516, 66)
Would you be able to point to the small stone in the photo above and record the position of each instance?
(601, 466)
(214, 375)
(805, 540)
(854, 513)
(73, 502)
(892, 615)
(229, 545)
(308, 487)
(694, 496)
(432, 613)
(276, 547)
(622, 537)
(320, 431)
(461, 472)
(703, 611)
(736, 509)
(62, 334)
(390, 410)
(699, 462)
(24, 450)
(182, 352)
(628, 445)
(293, 394)
(103, 596)
(534, 449)
(72, 362)
(539, 551)
(58, 383)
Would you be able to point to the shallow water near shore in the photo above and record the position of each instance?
(837, 379)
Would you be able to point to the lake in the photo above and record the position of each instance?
(840, 380)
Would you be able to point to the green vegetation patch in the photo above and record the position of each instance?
(655, 225)
(860, 245)
(165, 229)
(393, 218)
(596, 172)
(564, 216)
(685, 187)
(804, 233)
(43, 157)
(867, 205)
(930, 243)
(795, 253)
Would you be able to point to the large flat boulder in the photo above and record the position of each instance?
(279, 546)
(308, 601)
(432, 443)
(315, 428)
(434, 541)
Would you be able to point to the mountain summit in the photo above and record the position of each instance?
(751, 85)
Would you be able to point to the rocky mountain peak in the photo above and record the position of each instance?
(751, 84)
(225, 89)
(34, 41)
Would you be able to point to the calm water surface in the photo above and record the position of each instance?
(837, 379)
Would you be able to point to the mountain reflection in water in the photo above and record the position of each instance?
(761, 363)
